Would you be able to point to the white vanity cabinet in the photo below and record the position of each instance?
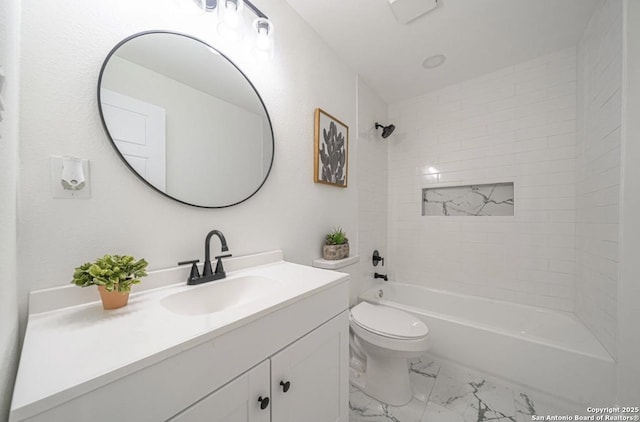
(167, 366)
(306, 381)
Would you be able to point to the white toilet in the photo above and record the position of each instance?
(382, 341)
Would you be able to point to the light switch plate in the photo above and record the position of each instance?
(58, 191)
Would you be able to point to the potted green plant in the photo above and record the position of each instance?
(114, 275)
(336, 245)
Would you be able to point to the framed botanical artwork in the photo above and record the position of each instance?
(331, 149)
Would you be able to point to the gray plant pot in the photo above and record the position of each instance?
(335, 252)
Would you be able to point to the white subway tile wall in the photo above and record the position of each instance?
(514, 125)
(598, 172)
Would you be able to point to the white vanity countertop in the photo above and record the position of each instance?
(73, 350)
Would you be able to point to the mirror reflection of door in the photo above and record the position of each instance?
(138, 129)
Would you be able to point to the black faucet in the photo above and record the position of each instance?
(207, 256)
(207, 272)
(382, 276)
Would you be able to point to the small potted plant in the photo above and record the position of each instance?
(336, 245)
(114, 275)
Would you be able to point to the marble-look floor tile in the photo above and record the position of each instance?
(436, 413)
(471, 396)
(525, 407)
(423, 374)
(528, 404)
(364, 408)
(445, 392)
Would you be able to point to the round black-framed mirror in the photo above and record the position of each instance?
(185, 119)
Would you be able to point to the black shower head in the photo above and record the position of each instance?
(386, 130)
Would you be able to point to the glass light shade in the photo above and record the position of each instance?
(263, 47)
(202, 6)
(230, 19)
(230, 12)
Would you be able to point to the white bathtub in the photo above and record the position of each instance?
(541, 349)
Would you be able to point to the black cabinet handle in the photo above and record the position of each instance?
(285, 385)
(264, 402)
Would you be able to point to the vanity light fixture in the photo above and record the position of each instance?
(230, 23)
(230, 19)
(263, 47)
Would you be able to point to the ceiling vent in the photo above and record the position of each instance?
(408, 10)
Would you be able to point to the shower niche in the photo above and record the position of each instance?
(493, 199)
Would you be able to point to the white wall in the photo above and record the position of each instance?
(598, 172)
(629, 290)
(64, 45)
(372, 187)
(9, 62)
(516, 124)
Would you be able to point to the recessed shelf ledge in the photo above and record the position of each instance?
(335, 264)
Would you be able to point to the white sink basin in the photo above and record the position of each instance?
(220, 295)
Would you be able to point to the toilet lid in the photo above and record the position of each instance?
(388, 321)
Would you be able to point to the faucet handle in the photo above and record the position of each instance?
(194, 269)
(219, 268)
(377, 258)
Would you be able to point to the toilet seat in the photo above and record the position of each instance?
(388, 322)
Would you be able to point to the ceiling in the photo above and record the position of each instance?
(476, 36)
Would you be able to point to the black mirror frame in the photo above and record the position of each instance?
(113, 144)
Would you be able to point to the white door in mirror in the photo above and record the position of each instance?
(138, 129)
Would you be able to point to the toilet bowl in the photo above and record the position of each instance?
(382, 341)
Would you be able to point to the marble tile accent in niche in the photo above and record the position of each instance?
(494, 199)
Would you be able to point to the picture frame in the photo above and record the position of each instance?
(331, 150)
